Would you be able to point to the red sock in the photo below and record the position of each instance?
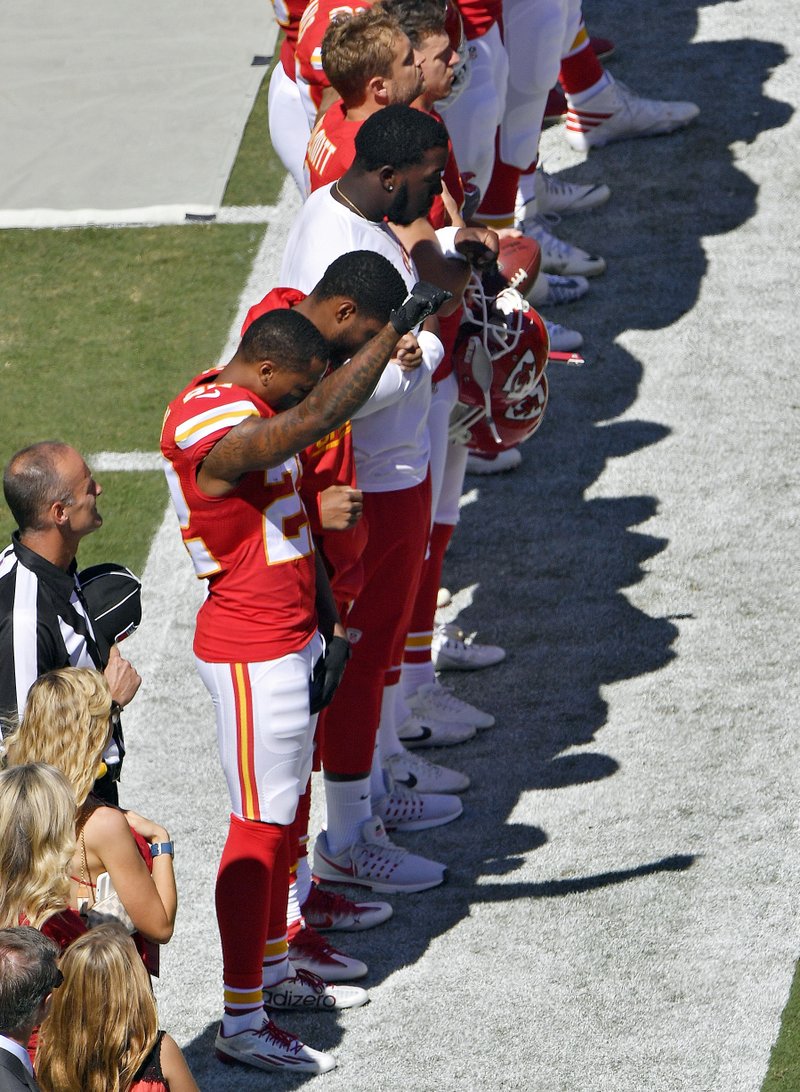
(247, 898)
(499, 202)
(580, 69)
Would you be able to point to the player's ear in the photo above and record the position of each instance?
(388, 178)
(345, 310)
(378, 90)
(266, 370)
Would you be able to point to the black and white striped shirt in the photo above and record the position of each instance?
(43, 625)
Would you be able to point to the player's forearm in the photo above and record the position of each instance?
(259, 443)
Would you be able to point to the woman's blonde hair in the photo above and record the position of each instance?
(37, 840)
(103, 1021)
(66, 724)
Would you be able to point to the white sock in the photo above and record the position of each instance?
(377, 784)
(402, 710)
(247, 1019)
(293, 911)
(303, 880)
(590, 92)
(526, 193)
(416, 675)
(388, 743)
(347, 805)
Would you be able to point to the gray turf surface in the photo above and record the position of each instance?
(113, 106)
(621, 908)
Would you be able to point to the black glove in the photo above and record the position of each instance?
(423, 300)
(328, 673)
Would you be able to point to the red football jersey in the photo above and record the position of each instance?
(253, 545)
(288, 14)
(309, 73)
(479, 16)
(332, 147)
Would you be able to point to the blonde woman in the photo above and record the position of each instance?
(67, 723)
(37, 839)
(115, 1045)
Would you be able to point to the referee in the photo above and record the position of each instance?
(44, 621)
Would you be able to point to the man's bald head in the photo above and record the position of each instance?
(34, 480)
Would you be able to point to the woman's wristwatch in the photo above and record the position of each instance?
(157, 848)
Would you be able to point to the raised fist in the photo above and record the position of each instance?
(423, 300)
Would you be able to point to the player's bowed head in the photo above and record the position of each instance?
(281, 359)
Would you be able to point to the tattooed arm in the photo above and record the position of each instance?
(258, 443)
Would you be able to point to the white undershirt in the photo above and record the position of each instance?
(390, 432)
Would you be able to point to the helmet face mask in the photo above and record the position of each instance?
(499, 359)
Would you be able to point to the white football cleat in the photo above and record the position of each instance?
(562, 339)
(307, 991)
(452, 650)
(375, 861)
(310, 951)
(404, 809)
(416, 772)
(561, 197)
(439, 702)
(559, 256)
(549, 290)
(270, 1047)
(328, 910)
(478, 462)
(617, 113)
(414, 733)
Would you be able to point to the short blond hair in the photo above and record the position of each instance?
(357, 48)
(66, 724)
(106, 985)
(37, 841)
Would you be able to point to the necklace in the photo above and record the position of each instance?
(347, 201)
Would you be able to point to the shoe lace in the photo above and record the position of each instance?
(279, 1036)
(308, 978)
(309, 940)
(331, 903)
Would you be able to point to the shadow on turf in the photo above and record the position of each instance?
(554, 594)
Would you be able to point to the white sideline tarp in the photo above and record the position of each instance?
(107, 106)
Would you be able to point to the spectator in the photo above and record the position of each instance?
(37, 839)
(28, 974)
(67, 724)
(115, 1046)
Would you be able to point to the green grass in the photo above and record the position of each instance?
(783, 1074)
(99, 328)
(257, 174)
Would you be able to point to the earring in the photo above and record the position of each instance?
(390, 188)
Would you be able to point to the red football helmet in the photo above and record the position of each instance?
(499, 359)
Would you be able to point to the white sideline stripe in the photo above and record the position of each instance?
(152, 216)
(105, 461)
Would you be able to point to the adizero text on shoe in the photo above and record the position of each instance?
(305, 990)
(415, 733)
(452, 650)
(550, 290)
(404, 809)
(415, 772)
(310, 951)
(326, 910)
(559, 256)
(617, 113)
(438, 701)
(375, 861)
(270, 1047)
(557, 195)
